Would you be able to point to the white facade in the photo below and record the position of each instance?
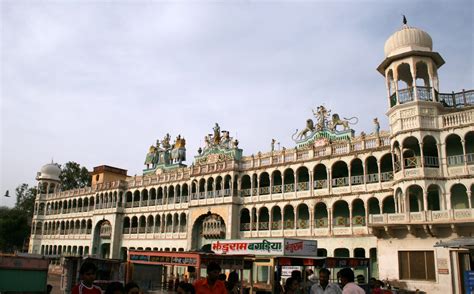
(385, 195)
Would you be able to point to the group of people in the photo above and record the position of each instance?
(346, 283)
(215, 283)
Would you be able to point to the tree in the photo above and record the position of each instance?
(15, 223)
(25, 199)
(14, 229)
(74, 176)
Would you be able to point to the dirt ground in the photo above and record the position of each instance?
(55, 281)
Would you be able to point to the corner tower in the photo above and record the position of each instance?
(410, 69)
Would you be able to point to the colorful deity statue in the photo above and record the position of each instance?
(166, 142)
(217, 134)
(321, 114)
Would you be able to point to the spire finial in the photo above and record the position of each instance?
(404, 19)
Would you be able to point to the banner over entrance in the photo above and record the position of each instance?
(264, 247)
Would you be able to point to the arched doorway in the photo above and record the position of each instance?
(102, 239)
(207, 228)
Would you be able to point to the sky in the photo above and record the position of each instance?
(97, 82)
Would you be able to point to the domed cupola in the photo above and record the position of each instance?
(408, 39)
(410, 66)
(406, 42)
(48, 178)
(50, 171)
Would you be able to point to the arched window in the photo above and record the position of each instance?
(289, 180)
(276, 218)
(341, 214)
(276, 180)
(263, 219)
(244, 220)
(302, 175)
(288, 217)
(264, 183)
(340, 174)
(302, 216)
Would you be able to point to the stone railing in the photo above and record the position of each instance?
(421, 217)
(458, 118)
(337, 148)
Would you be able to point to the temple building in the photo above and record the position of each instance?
(390, 196)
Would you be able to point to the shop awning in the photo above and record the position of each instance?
(464, 242)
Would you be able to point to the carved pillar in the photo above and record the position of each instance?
(251, 186)
(402, 160)
(295, 175)
(364, 173)
(329, 180)
(258, 186)
(422, 155)
(239, 186)
(283, 186)
(448, 200)
(251, 219)
(295, 215)
(214, 188)
(469, 200)
(379, 170)
(270, 219)
(463, 143)
(330, 220)
(350, 216)
(257, 214)
(349, 175)
(311, 183)
(425, 201)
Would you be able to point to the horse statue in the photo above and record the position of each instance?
(337, 121)
(303, 133)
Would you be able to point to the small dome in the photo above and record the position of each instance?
(408, 39)
(50, 171)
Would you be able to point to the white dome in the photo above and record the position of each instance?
(50, 171)
(408, 39)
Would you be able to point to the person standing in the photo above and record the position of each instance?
(347, 281)
(211, 284)
(87, 275)
(324, 287)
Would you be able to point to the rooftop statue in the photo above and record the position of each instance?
(336, 121)
(321, 114)
(166, 142)
(166, 154)
(151, 156)
(218, 146)
(217, 134)
(326, 126)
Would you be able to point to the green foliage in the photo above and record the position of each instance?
(15, 223)
(14, 229)
(25, 199)
(74, 176)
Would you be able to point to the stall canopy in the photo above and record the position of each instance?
(323, 262)
(195, 259)
(464, 242)
(266, 247)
